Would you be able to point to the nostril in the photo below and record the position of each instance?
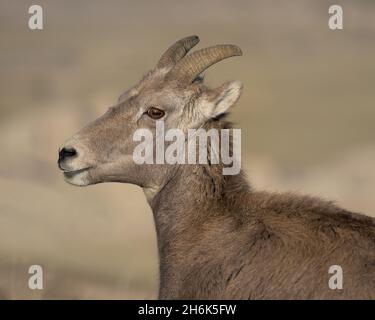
(67, 153)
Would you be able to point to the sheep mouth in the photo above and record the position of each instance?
(71, 173)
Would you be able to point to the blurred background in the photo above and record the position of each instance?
(307, 116)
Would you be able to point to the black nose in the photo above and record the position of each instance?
(66, 153)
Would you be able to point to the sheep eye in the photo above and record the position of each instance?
(155, 113)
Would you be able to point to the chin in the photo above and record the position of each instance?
(80, 179)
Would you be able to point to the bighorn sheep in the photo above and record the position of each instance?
(217, 237)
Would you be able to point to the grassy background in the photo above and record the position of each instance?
(307, 117)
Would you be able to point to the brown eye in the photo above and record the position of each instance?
(155, 113)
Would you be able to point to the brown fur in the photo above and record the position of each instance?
(218, 239)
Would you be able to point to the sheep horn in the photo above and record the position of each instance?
(177, 51)
(195, 63)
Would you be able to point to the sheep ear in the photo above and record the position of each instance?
(224, 97)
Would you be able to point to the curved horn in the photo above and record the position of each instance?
(194, 64)
(177, 51)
